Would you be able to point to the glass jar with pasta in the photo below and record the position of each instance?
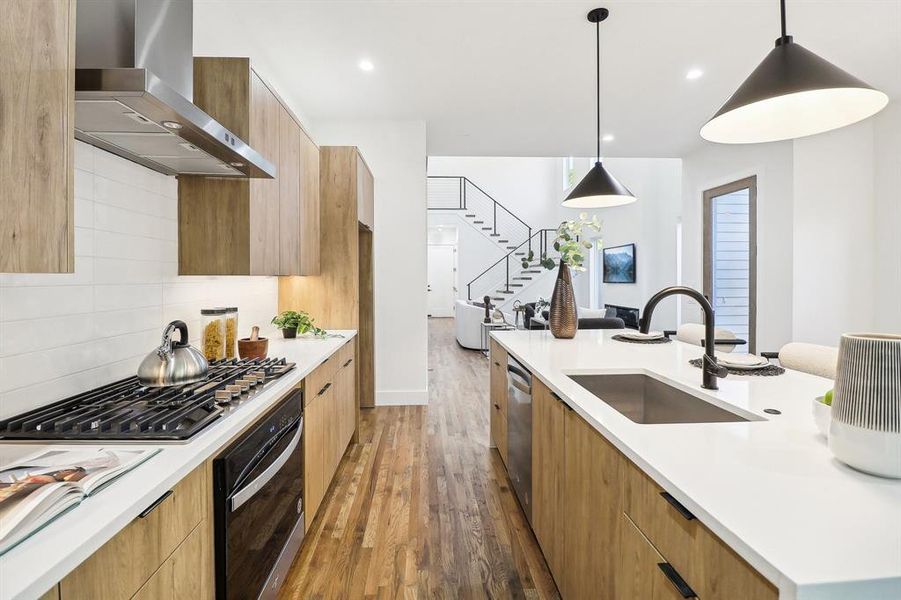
(213, 337)
(231, 331)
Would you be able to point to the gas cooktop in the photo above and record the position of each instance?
(127, 411)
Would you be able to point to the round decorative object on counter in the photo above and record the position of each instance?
(865, 432)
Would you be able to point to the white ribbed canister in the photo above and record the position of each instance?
(866, 410)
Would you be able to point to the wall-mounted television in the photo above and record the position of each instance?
(619, 264)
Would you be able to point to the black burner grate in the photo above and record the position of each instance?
(126, 410)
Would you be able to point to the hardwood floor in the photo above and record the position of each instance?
(421, 507)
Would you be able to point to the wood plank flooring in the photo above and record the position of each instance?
(421, 507)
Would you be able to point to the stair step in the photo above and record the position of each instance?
(471, 216)
(497, 299)
(512, 247)
(495, 235)
(479, 222)
(502, 241)
(516, 285)
(519, 253)
(532, 271)
(504, 291)
(521, 278)
(487, 228)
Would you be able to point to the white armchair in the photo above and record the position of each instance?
(466, 320)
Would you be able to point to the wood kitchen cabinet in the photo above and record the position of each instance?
(592, 512)
(161, 554)
(701, 559)
(250, 226)
(498, 398)
(329, 424)
(37, 104)
(548, 464)
(341, 297)
(639, 575)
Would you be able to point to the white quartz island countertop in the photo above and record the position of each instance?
(771, 489)
(33, 566)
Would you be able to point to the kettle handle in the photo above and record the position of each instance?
(167, 345)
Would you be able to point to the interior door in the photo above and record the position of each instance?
(442, 275)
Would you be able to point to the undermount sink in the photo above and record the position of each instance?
(646, 400)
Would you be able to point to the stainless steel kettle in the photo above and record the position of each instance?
(174, 362)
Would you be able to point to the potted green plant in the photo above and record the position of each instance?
(293, 322)
(564, 318)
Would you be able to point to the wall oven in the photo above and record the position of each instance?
(258, 503)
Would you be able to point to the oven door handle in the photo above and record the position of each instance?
(250, 490)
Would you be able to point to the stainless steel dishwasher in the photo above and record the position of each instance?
(519, 433)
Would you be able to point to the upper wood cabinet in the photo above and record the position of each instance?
(256, 226)
(365, 194)
(37, 104)
(342, 296)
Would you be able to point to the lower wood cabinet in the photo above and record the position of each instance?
(330, 415)
(592, 509)
(126, 563)
(177, 578)
(498, 398)
(710, 567)
(640, 574)
(548, 463)
(608, 531)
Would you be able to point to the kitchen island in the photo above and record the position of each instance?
(767, 487)
(36, 564)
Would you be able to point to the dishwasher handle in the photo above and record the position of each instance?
(519, 378)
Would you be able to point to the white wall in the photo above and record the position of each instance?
(829, 252)
(396, 153)
(527, 187)
(64, 334)
(713, 165)
(834, 234)
(887, 145)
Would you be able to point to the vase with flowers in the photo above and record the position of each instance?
(573, 248)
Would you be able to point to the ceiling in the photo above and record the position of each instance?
(502, 78)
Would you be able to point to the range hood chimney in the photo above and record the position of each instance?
(134, 83)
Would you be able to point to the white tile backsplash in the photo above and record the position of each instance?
(63, 334)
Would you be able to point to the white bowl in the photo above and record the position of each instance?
(822, 414)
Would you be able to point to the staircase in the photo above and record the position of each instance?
(506, 277)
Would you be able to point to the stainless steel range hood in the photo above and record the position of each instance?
(133, 90)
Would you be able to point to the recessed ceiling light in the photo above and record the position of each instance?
(171, 124)
(694, 74)
(366, 65)
(608, 137)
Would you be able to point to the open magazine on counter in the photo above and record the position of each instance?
(37, 489)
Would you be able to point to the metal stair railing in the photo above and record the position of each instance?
(499, 278)
(490, 217)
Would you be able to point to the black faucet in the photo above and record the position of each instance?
(709, 367)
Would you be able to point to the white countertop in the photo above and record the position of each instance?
(32, 567)
(771, 489)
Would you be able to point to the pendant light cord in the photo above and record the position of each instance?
(782, 10)
(598, 47)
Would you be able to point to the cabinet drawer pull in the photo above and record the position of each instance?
(349, 360)
(324, 389)
(674, 578)
(497, 364)
(678, 506)
(497, 406)
(153, 506)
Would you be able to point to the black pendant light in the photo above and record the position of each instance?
(793, 93)
(598, 189)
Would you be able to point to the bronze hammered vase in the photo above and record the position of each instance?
(564, 319)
